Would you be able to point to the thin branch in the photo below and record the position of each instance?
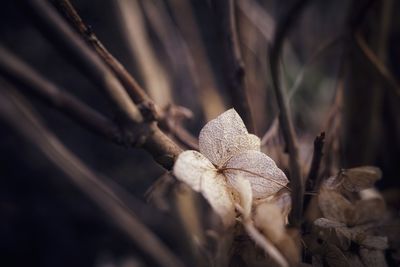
(316, 161)
(57, 31)
(272, 131)
(377, 63)
(149, 110)
(34, 84)
(313, 181)
(163, 150)
(235, 70)
(324, 47)
(286, 124)
(23, 118)
(135, 91)
(259, 17)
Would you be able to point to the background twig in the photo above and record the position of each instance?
(286, 123)
(233, 63)
(15, 110)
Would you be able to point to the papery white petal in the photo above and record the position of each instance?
(264, 176)
(218, 195)
(224, 137)
(197, 171)
(190, 167)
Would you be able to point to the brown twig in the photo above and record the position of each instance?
(316, 161)
(272, 131)
(149, 110)
(163, 150)
(259, 17)
(234, 65)
(377, 63)
(286, 124)
(314, 57)
(135, 91)
(57, 31)
(17, 112)
(22, 75)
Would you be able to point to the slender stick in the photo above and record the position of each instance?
(57, 31)
(149, 110)
(286, 124)
(377, 63)
(36, 85)
(163, 150)
(135, 91)
(235, 71)
(313, 181)
(15, 111)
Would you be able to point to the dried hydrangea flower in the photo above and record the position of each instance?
(228, 153)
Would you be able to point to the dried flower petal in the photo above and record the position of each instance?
(333, 232)
(334, 206)
(357, 179)
(224, 137)
(190, 166)
(194, 169)
(264, 176)
(374, 242)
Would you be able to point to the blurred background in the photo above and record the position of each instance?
(340, 65)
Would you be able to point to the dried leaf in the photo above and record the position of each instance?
(224, 137)
(372, 258)
(357, 179)
(368, 210)
(374, 242)
(264, 176)
(354, 260)
(334, 206)
(333, 256)
(194, 169)
(331, 231)
(330, 253)
(327, 223)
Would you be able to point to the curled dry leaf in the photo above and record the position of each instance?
(228, 151)
(374, 242)
(333, 232)
(368, 210)
(354, 260)
(359, 178)
(334, 206)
